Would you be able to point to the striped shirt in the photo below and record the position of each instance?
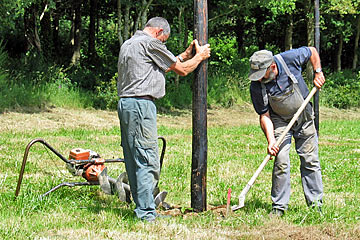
(142, 63)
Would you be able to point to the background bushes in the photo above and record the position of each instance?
(38, 84)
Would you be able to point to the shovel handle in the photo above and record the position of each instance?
(278, 142)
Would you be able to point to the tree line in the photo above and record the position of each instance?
(52, 27)
(87, 34)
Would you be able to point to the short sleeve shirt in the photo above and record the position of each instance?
(294, 59)
(142, 63)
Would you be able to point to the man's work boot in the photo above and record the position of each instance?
(275, 212)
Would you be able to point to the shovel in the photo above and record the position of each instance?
(267, 158)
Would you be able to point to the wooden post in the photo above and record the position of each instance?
(199, 114)
(317, 45)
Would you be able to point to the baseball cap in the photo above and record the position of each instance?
(259, 62)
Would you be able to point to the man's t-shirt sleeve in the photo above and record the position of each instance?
(297, 57)
(257, 98)
(162, 57)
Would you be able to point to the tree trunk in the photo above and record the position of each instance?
(259, 26)
(356, 45)
(31, 28)
(144, 14)
(92, 25)
(186, 35)
(55, 30)
(239, 32)
(310, 36)
(181, 34)
(45, 23)
(76, 41)
(339, 53)
(127, 22)
(138, 17)
(119, 28)
(289, 33)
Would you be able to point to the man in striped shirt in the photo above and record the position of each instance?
(143, 62)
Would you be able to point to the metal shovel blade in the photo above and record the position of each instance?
(241, 198)
(240, 205)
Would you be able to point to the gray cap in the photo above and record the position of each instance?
(259, 62)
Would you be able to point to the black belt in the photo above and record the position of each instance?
(146, 97)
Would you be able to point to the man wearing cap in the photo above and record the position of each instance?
(143, 62)
(277, 91)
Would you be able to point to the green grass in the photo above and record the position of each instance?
(234, 153)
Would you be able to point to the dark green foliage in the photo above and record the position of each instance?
(106, 94)
(38, 85)
(39, 76)
(342, 90)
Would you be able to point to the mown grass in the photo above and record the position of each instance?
(234, 153)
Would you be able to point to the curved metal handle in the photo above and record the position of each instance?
(162, 150)
(42, 141)
(32, 142)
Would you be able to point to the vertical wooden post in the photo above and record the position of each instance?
(317, 45)
(199, 114)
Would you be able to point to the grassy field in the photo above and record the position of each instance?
(236, 147)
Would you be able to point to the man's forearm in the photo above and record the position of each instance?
(191, 64)
(267, 127)
(184, 56)
(315, 58)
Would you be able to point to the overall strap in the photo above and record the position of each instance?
(283, 64)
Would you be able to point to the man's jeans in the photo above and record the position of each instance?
(139, 142)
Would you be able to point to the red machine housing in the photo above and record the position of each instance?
(91, 171)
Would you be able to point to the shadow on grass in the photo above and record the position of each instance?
(126, 212)
(174, 112)
(41, 108)
(254, 204)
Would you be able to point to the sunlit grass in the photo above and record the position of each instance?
(234, 153)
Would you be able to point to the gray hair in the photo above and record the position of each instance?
(159, 22)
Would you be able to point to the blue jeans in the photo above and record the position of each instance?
(139, 142)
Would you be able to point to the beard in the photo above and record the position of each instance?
(270, 78)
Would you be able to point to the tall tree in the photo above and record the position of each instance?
(285, 9)
(131, 17)
(356, 45)
(92, 24)
(289, 32)
(338, 13)
(45, 29)
(55, 28)
(31, 27)
(76, 32)
(310, 23)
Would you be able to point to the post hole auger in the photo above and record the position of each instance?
(89, 165)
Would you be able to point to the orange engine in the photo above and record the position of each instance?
(79, 154)
(91, 171)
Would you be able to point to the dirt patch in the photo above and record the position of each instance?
(216, 117)
(333, 113)
(58, 118)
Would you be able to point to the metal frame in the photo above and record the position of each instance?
(71, 161)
